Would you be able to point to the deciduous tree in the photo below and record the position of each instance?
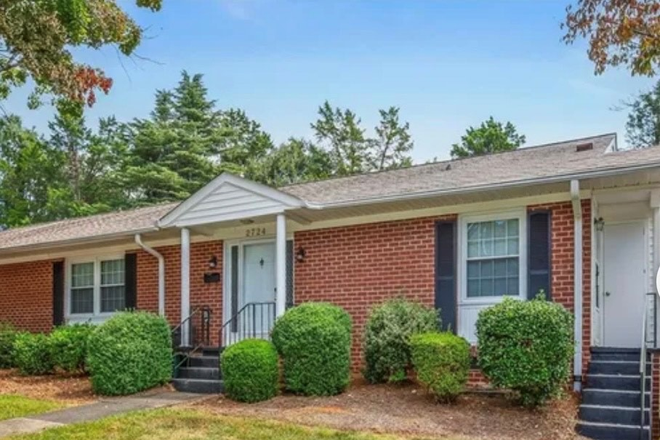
(643, 125)
(490, 137)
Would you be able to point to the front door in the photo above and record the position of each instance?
(624, 268)
(258, 290)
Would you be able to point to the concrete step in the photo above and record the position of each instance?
(610, 431)
(616, 382)
(616, 367)
(614, 398)
(198, 386)
(212, 351)
(204, 361)
(615, 354)
(618, 415)
(199, 373)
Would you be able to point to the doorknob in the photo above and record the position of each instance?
(607, 293)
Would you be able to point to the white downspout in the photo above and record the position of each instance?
(161, 273)
(577, 278)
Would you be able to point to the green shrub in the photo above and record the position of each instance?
(130, 352)
(314, 340)
(250, 370)
(442, 363)
(526, 346)
(68, 347)
(32, 354)
(8, 335)
(387, 338)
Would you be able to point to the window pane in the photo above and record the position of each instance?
(500, 286)
(500, 228)
(501, 248)
(112, 272)
(82, 300)
(486, 248)
(473, 288)
(473, 269)
(473, 231)
(513, 287)
(486, 287)
(112, 299)
(82, 275)
(486, 230)
(513, 246)
(512, 228)
(473, 249)
(512, 269)
(500, 268)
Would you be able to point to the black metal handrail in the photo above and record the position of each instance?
(643, 356)
(198, 326)
(253, 320)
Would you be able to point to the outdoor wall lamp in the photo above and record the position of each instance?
(300, 255)
(213, 262)
(599, 223)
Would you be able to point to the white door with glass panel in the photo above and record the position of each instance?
(258, 289)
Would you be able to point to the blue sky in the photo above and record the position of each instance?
(447, 64)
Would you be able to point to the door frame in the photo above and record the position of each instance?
(646, 228)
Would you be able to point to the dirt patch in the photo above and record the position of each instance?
(408, 410)
(71, 390)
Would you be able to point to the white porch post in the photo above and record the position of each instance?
(185, 284)
(280, 270)
(577, 286)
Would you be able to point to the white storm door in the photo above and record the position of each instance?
(258, 289)
(624, 284)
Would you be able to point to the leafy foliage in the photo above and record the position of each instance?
(643, 125)
(8, 335)
(442, 363)
(392, 143)
(250, 370)
(526, 346)
(130, 352)
(37, 38)
(387, 338)
(620, 32)
(32, 354)
(490, 137)
(68, 347)
(314, 340)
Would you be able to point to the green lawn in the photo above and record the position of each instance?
(178, 424)
(18, 406)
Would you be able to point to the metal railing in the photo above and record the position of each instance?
(643, 354)
(197, 329)
(253, 320)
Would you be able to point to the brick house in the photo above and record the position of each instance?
(577, 219)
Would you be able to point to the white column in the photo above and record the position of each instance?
(185, 284)
(280, 270)
(577, 280)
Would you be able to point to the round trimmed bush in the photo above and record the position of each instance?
(314, 340)
(8, 335)
(32, 354)
(250, 370)
(130, 352)
(442, 363)
(526, 346)
(387, 338)
(68, 347)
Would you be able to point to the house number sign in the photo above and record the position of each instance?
(255, 232)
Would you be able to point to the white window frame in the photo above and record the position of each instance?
(521, 216)
(96, 315)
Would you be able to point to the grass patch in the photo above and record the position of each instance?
(178, 424)
(12, 406)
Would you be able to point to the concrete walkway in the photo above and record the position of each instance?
(94, 411)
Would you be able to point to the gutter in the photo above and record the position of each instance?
(577, 280)
(161, 273)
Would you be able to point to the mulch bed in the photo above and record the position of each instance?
(72, 390)
(406, 409)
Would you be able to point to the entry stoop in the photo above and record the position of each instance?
(200, 373)
(611, 400)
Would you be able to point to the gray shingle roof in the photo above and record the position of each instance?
(80, 228)
(525, 164)
(519, 165)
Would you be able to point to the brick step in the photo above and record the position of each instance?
(204, 361)
(614, 398)
(618, 415)
(615, 382)
(199, 373)
(617, 367)
(198, 386)
(610, 431)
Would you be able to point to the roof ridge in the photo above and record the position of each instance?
(450, 161)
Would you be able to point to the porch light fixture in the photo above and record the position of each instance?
(301, 254)
(599, 223)
(213, 262)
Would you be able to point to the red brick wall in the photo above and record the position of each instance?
(359, 266)
(26, 295)
(201, 294)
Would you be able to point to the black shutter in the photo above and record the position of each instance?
(289, 274)
(234, 288)
(58, 293)
(445, 273)
(539, 260)
(130, 274)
